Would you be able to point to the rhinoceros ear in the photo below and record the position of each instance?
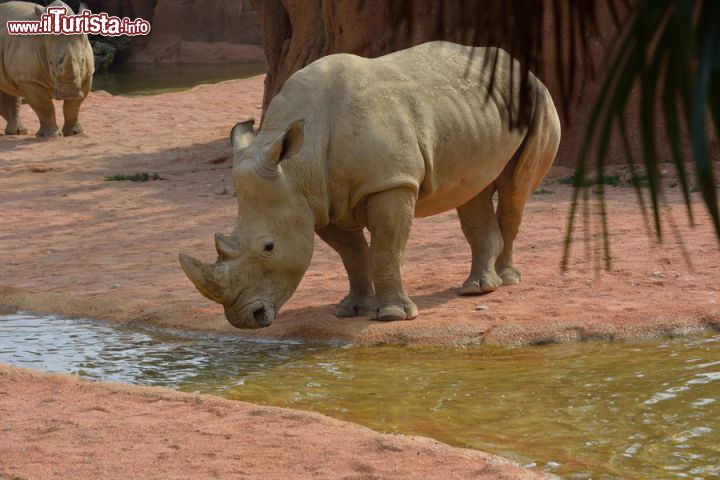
(59, 3)
(242, 134)
(286, 145)
(40, 10)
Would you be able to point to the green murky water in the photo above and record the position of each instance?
(151, 79)
(646, 409)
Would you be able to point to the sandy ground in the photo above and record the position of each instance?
(74, 244)
(54, 426)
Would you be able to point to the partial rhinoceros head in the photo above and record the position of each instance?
(69, 57)
(261, 263)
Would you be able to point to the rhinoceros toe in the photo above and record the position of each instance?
(390, 312)
(49, 133)
(15, 130)
(485, 283)
(510, 275)
(351, 306)
(70, 130)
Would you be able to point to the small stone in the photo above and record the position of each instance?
(115, 285)
(39, 168)
(480, 308)
(658, 274)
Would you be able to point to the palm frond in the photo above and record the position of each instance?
(670, 51)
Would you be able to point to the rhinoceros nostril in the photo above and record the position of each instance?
(261, 317)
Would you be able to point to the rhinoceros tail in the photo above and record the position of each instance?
(537, 152)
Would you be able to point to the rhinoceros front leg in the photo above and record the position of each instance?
(71, 112)
(389, 217)
(353, 249)
(477, 218)
(40, 99)
(10, 111)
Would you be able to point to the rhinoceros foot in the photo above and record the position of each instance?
(15, 129)
(392, 311)
(510, 275)
(353, 306)
(70, 130)
(478, 285)
(48, 132)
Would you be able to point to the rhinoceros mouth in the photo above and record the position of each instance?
(256, 314)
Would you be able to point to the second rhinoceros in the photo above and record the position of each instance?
(353, 143)
(40, 68)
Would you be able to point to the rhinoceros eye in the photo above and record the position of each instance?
(269, 247)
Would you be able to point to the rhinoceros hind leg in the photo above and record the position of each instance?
(354, 252)
(511, 205)
(522, 176)
(10, 111)
(389, 216)
(477, 218)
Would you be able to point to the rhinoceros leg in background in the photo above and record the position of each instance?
(10, 111)
(40, 100)
(389, 216)
(477, 218)
(353, 249)
(71, 112)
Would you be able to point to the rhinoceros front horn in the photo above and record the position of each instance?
(210, 280)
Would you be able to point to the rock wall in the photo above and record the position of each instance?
(192, 31)
(124, 8)
(296, 32)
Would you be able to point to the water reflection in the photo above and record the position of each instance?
(130, 354)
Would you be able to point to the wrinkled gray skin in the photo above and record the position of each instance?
(352, 144)
(40, 68)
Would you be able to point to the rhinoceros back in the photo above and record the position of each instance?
(427, 118)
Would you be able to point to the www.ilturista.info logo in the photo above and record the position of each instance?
(56, 21)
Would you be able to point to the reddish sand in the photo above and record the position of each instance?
(54, 426)
(74, 244)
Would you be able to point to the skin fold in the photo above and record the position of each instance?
(353, 144)
(41, 68)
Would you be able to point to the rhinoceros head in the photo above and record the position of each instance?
(70, 59)
(261, 263)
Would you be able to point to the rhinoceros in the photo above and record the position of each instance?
(40, 68)
(352, 143)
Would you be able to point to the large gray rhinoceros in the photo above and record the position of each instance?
(352, 143)
(40, 68)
